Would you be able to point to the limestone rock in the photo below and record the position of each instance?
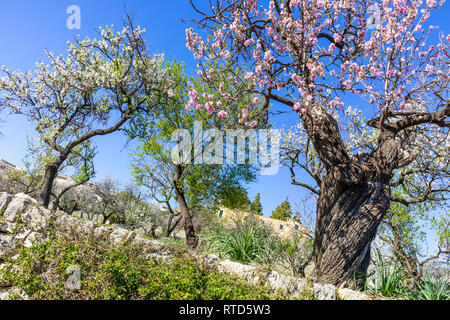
(8, 227)
(15, 207)
(212, 258)
(36, 219)
(292, 285)
(324, 291)
(250, 273)
(5, 199)
(6, 245)
(13, 293)
(85, 227)
(349, 294)
(121, 236)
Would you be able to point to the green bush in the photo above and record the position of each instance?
(121, 273)
(248, 240)
(389, 279)
(431, 288)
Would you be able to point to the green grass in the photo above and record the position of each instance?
(432, 289)
(389, 281)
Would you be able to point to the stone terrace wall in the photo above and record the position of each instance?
(23, 222)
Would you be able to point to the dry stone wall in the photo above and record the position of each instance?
(23, 222)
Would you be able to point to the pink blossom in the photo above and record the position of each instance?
(222, 114)
(249, 42)
(251, 124)
(209, 107)
(248, 76)
(337, 37)
(244, 113)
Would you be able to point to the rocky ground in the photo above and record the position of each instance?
(23, 223)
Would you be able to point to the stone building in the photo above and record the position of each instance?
(284, 229)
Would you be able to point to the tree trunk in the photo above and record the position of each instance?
(51, 172)
(347, 220)
(191, 236)
(171, 226)
(354, 198)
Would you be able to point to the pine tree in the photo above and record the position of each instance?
(283, 211)
(256, 206)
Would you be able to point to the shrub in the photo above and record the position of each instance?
(248, 240)
(119, 273)
(388, 279)
(432, 288)
(295, 253)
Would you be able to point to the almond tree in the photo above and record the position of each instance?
(419, 191)
(98, 88)
(312, 57)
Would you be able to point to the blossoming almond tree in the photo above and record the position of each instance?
(95, 90)
(307, 55)
(419, 191)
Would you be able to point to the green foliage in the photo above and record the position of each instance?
(246, 241)
(389, 280)
(432, 289)
(283, 211)
(234, 198)
(121, 273)
(256, 206)
(153, 166)
(294, 253)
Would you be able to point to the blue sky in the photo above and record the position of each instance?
(29, 27)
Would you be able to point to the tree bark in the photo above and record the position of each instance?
(191, 236)
(347, 220)
(354, 198)
(51, 172)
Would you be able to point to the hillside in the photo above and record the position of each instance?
(43, 253)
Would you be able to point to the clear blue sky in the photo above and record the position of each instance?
(29, 27)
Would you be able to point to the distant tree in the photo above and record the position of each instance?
(234, 198)
(256, 206)
(96, 90)
(188, 183)
(283, 211)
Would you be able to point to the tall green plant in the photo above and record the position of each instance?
(247, 241)
(432, 288)
(389, 277)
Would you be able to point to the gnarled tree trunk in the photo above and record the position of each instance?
(354, 198)
(347, 220)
